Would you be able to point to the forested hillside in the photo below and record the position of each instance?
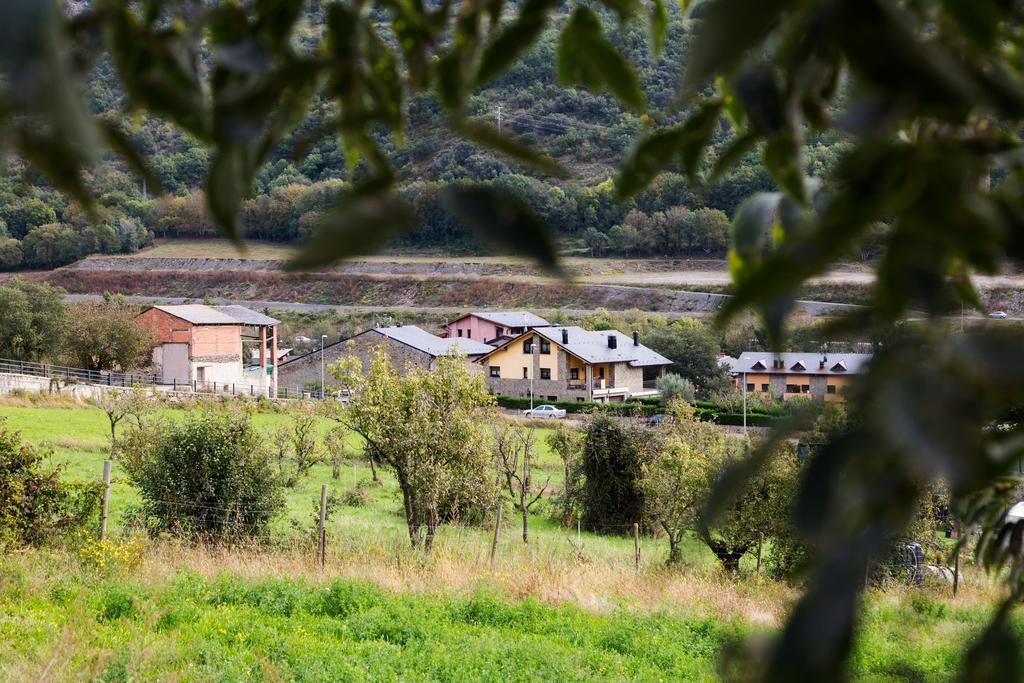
(587, 133)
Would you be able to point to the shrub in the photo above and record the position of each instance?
(209, 474)
(673, 385)
(613, 451)
(35, 505)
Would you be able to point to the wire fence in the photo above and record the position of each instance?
(69, 375)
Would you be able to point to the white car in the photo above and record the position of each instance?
(545, 411)
(999, 315)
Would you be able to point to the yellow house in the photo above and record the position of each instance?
(821, 377)
(572, 364)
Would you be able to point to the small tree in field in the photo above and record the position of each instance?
(675, 477)
(335, 410)
(568, 444)
(105, 336)
(430, 427)
(298, 444)
(118, 405)
(514, 446)
(209, 474)
(613, 452)
(673, 386)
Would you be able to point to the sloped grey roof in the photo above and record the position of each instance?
(835, 363)
(422, 340)
(247, 316)
(593, 346)
(197, 314)
(512, 318)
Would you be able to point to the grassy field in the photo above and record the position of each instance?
(159, 609)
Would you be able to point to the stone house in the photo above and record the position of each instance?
(491, 327)
(407, 346)
(212, 344)
(820, 377)
(573, 364)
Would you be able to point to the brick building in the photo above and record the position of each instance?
(207, 344)
(407, 346)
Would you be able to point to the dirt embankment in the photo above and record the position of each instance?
(355, 289)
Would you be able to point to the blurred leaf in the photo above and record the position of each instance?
(782, 159)
(585, 56)
(624, 8)
(503, 221)
(489, 137)
(225, 188)
(655, 152)
(738, 147)
(996, 655)
(659, 26)
(514, 40)
(121, 144)
(728, 30)
(360, 223)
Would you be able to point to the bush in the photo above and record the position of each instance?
(672, 385)
(35, 505)
(209, 475)
(642, 409)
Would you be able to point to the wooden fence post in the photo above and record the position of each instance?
(321, 532)
(494, 541)
(106, 499)
(636, 544)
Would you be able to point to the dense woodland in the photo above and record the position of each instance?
(588, 133)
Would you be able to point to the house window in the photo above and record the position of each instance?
(545, 346)
(600, 373)
(764, 387)
(545, 373)
(574, 373)
(830, 389)
(495, 371)
(552, 398)
(498, 331)
(750, 386)
(528, 346)
(580, 399)
(805, 388)
(460, 333)
(526, 373)
(792, 388)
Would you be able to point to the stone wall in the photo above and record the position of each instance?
(306, 369)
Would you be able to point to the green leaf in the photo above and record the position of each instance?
(655, 152)
(738, 148)
(728, 30)
(514, 40)
(585, 56)
(659, 26)
(782, 159)
(120, 143)
(491, 138)
(624, 8)
(361, 223)
(226, 185)
(503, 221)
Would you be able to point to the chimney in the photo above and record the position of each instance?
(636, 338)
(613, 341)
(565, 336)
(821, 365)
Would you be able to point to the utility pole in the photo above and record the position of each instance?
(744, 401)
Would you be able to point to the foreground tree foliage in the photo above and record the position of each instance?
(928, 94)
(36, 506)
(431, 429)
(103, 335)
(33, 321)
(209, 475)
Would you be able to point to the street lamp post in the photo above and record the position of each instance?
(744, 402)
(323, 338)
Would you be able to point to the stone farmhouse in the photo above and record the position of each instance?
(407, 346)
(573, 364)
(212, 344)
(491, 327)
(820, 377)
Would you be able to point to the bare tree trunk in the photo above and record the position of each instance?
(335, 465)
(431, 529)
(526, 526)
(373, 466)
(411, 521)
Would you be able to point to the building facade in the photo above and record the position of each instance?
(573, 364)
(491, 327)
(820, 377)
(406, 345)
(211, 344)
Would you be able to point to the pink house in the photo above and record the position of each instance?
(486, 326)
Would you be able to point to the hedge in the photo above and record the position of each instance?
(631, 408)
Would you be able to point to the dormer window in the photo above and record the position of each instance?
(758, 366)
(798, 367)
(839, 367)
